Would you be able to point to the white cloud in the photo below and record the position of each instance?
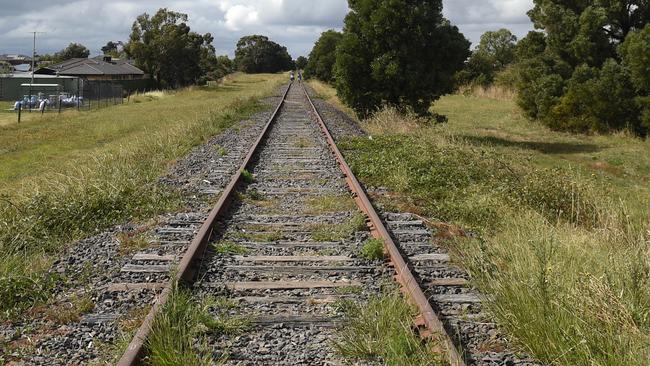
(294, 23)
(240, 16)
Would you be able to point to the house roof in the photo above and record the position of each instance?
(15, 58)
(91, 66)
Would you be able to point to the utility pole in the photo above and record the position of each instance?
(33, 69)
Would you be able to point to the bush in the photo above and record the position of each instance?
(579, 74)
(601, 100)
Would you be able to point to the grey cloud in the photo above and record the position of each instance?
(294, 23)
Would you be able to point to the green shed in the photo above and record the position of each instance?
(11, 90)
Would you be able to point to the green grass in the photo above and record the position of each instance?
(178, 334)
(373, 250)
(338, 232)
(228, 247)
(247, 176)
(382, 331)
(328, 204)
(65, 177)
(562, 221)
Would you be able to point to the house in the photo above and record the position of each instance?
(16, 59)
(99, 68)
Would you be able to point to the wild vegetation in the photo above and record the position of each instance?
(562, 220)
(103, 167)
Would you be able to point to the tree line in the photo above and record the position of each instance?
(585, 67)
(164, 47)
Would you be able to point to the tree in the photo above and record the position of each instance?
(221, 66)
(579, 50)
(301, 62)
(164, 46)
(113, 49)
(635, 52)
(6, 68)
(323, 56)
(494, 53)
(74, 50)
(258, 54)
(397, 52)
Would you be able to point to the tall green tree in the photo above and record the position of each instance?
(323, 56)
(397, 52)
(164, 46)
(301, 62)
(258, 54)
(74, 50)
(577, 51)
(494, 53)
(636, 57)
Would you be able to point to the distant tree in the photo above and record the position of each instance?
(635, 52)
(397, 52)
(164, 46)
(301, 62)
(572, 76)
(258, 54)
(494, 53)
(74, 50)
(5, 67)
(113, 49)
(323, 56)
(220, 67)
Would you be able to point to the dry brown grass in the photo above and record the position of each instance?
(327, 93)
(491, 92)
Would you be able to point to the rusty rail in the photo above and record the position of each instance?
(404, 275)
(132, 356)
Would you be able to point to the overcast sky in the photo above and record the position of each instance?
(293, 23)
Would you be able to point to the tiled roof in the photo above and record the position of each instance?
(91, 66)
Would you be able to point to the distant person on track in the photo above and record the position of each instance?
(299, 77)
(292, 76)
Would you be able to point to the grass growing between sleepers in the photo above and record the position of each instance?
(382, 331)
(563, 247)
(67, 177)
(178, 335)
(373, 250)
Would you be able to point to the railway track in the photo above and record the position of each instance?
(282, 246)
(297, 229)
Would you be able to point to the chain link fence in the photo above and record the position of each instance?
(80, 94)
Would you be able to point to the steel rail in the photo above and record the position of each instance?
(135, 351)
(378, 230)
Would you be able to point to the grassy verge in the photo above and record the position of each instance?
(562, 221)
(382, 331)
(71, 176)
